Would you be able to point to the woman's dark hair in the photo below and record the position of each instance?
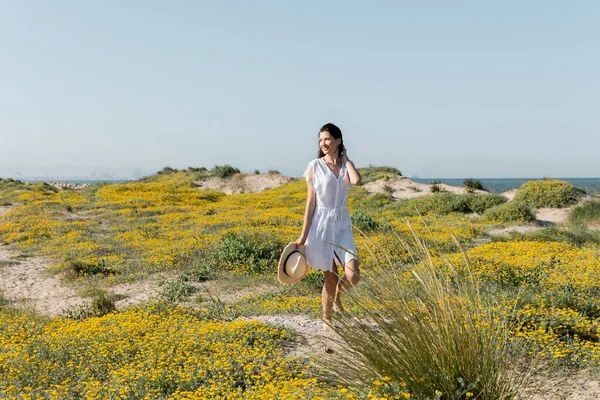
(336, 133)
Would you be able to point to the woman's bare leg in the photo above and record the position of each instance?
(351, 279)
(329, 292)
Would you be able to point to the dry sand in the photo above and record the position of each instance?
(26, 283)
(244, 183)
(401, 187)
(510, 194)
(577, 385)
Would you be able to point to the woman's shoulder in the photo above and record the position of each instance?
(314, 161)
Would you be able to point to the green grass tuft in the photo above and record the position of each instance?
(586, 215)
(439, 338)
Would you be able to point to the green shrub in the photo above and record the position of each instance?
(364, 221)
(440, 203)
(513, 211)
(166, 170)
(548, 193)
(435, 187)
(99, 267)
(224, 171)
(472, 184)
(102, 304)
(198, 267)
(585, 214)
(480, 202)
(177, 290)
(249, 253)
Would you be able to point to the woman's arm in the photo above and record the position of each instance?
(311, 202)
(353, 173)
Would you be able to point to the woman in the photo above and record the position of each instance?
(326, 218)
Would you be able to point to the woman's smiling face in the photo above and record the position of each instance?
(328, 144)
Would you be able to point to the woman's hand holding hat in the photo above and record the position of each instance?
(301, 240)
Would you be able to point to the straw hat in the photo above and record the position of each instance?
(292, 264)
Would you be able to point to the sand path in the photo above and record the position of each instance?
(25, 282)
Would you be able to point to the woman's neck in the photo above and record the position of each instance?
(332, 159)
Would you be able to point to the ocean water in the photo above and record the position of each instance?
(499, 185)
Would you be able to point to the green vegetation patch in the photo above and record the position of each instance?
(249, 253)
(14, 191)
(373, 173)
(548, 193)
(511, 212)
(473, 184)
(585, 215)
(224, 171)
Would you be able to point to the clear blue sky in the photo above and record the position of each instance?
(434, 88)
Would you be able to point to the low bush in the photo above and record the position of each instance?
(100, 267)
(440, 203)
(102, 304)
(435, 187)
(167, 170)
(177, 290)
(364, 221)
(511, 212)
(480, 202)
(472, 184)
(548, 193)
(224, 171)
(247, 253)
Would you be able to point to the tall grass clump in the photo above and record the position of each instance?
(585, 215)
(548, 193)
(436, 338)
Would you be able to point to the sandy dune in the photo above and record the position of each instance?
(401, 187)
(244, 183)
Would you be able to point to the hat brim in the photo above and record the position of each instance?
(282, 276)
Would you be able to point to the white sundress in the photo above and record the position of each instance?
(331, 221)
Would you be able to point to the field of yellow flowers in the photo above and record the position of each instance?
(548, 284)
